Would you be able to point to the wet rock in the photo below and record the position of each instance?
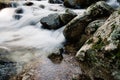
(42, 6)
(7, 69)
(93, 26)
(118, 1)
(56, 58)
(75, 28)
(67, 69)
(4, 5)
(14, 4)
(100, 9)
(52, 21)
(19, 11)
(28, 3)
(55, 1)
(67, 16)
(79, 3)
(4, 52)
(17, 17)
(102, 50)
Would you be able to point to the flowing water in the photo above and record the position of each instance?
(113, 3)
(25, 40)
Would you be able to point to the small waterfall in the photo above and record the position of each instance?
(113, 3)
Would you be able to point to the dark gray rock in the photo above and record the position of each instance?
(17, 17)
(42, 6)
(19, 11)
(56, 1)
(14, 4)
(52, 21)
(7, 69)
(28, 3)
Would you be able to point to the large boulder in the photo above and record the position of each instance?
(67, 16)
(75, 28)
(79, 3)
(101, 52)
(55, 21)
(52, 21)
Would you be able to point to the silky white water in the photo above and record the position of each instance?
(26, 33)
(113, 3)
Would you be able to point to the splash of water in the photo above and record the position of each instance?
(113, 3)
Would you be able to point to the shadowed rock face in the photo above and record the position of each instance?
(102, 50)
(75, 28)
(79, 3)
(4, 5)
(55, 1)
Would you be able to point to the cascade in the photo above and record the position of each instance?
(113, 3)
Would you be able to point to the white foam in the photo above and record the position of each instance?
(27, 32)
(113, 3)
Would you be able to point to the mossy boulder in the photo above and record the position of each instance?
(102, 50)
(76, 27)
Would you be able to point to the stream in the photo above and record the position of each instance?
(25, 45)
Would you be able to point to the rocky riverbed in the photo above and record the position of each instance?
(60, 40)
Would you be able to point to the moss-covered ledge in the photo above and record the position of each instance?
(101, 53)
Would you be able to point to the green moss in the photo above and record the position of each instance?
(119, 12)
(82, 51)
(115, 35)
(90, 57)
(90, 41)
(113, 26)
(98, 45)
(118, 53)
(96, 26)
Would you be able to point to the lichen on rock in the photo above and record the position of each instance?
(104, 49)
